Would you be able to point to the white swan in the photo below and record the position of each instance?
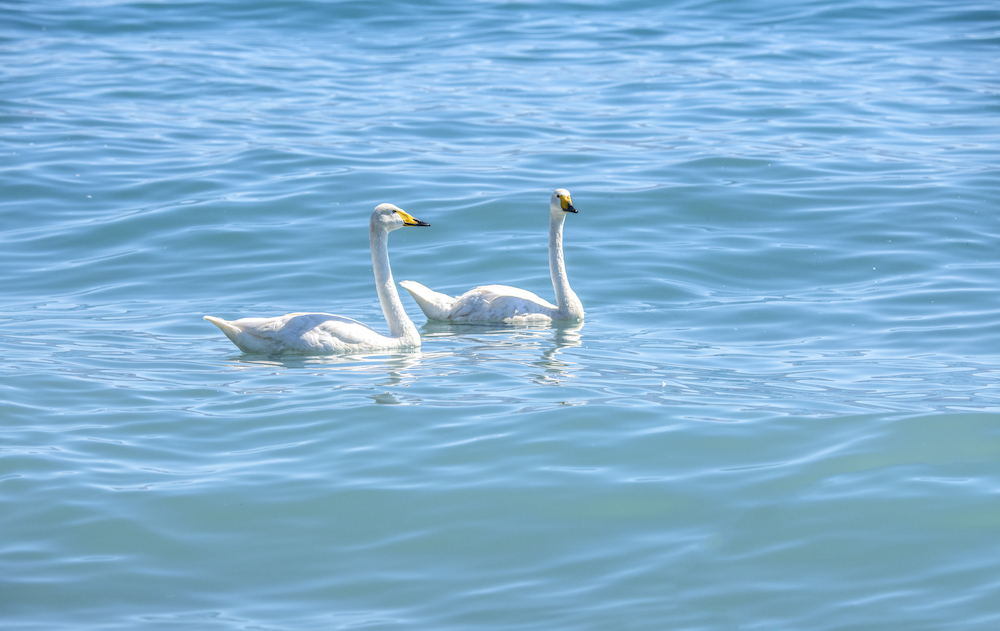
(510, 305)
(326, 333)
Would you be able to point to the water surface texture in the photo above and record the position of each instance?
(781, 412)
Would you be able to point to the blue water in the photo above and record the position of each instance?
(781, 412)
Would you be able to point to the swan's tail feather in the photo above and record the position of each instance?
(435, 305)
(232, 332)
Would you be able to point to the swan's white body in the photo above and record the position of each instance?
(326, 333)
(510, 305)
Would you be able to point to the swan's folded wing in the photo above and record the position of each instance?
(343, 329)
(501, 303)
(304, 332)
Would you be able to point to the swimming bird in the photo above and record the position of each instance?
(326, 333)
(510, 305)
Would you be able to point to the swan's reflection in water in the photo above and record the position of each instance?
(399, 368)
(563, 336)
(396, 362)
(532, 345)
(450, 353)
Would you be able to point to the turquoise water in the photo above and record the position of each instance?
(781, 412)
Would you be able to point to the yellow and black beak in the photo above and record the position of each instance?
(567, 204)
(410, 220)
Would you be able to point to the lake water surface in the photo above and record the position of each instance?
(781, 412)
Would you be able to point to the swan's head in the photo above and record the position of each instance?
(390, 217)
(561, 203)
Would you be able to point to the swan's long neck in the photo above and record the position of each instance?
(399, 324)
(569, 305)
